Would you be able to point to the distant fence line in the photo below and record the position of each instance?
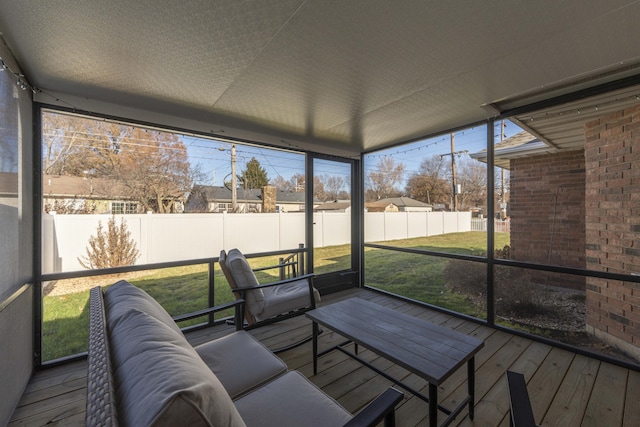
(499, 226)
(172, 237)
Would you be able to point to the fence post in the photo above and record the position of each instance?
(212, 291)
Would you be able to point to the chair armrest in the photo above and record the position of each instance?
(237, 303)
(381, 408)
(519, 403)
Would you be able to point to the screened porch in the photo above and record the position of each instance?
(472, 164)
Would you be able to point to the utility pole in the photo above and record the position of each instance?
(454, 176)
(453, 173)
(501, 139)
(234, 198)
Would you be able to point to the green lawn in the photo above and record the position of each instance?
(184, 289)
(420, 277)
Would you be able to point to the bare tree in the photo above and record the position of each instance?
(149, 166)
(472, 176)
(430, 184)
(383, 181)
(282, 184)
(334, 187)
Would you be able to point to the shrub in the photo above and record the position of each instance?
(111, 248)
(513, 290)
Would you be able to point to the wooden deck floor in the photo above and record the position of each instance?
(566, 389)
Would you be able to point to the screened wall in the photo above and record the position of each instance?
(546, 243)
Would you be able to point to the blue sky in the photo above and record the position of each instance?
(214, 157)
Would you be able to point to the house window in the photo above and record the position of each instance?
(224, 207)
(118, 208)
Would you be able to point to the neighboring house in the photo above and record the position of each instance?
(380, 207)
(207, 198)
(73, 194)
(407, 204)
(334, 206)
(393, 204)
(290, 201)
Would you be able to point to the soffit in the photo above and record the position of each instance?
(347, 76)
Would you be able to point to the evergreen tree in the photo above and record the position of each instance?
(254, 176)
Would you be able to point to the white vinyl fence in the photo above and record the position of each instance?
(174, 237)
(500, 226)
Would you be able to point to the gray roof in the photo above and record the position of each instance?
(405, 202)
(223, 194)
(332, 206)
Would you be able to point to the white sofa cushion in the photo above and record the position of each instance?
(244, 278)
(291, 400)
(162, 382)
(241, 362)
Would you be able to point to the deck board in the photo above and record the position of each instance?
(573, 395)
(605, 401)
(631, 406)
(565, 389)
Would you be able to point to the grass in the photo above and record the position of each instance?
(184, 289)
(420, 277)
(179, 290)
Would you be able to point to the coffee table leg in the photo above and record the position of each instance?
(471, 379)
(433, 405)
(315, 348)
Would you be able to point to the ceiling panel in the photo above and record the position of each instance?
(358, 75)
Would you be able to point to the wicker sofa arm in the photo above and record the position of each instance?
(101, 405)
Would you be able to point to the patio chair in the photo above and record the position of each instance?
(519, 404)
(270, 302)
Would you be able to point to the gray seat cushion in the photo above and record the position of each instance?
(285, 298)
(241, 362)
(290, 400)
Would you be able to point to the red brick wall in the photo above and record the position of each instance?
(547, 214)
(612, 155)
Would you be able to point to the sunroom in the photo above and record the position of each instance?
(514, 126)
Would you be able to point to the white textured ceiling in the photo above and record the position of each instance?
(338, 76)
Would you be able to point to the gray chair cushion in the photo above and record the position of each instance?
(241, 362)
(122, 296)
(162, 382)
(290, 400)
(285, 298)
(245, 277)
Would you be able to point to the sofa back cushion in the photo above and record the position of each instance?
(161, 381)
(244, 277)
(122, 296)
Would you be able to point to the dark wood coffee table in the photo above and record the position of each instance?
(430, 351)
